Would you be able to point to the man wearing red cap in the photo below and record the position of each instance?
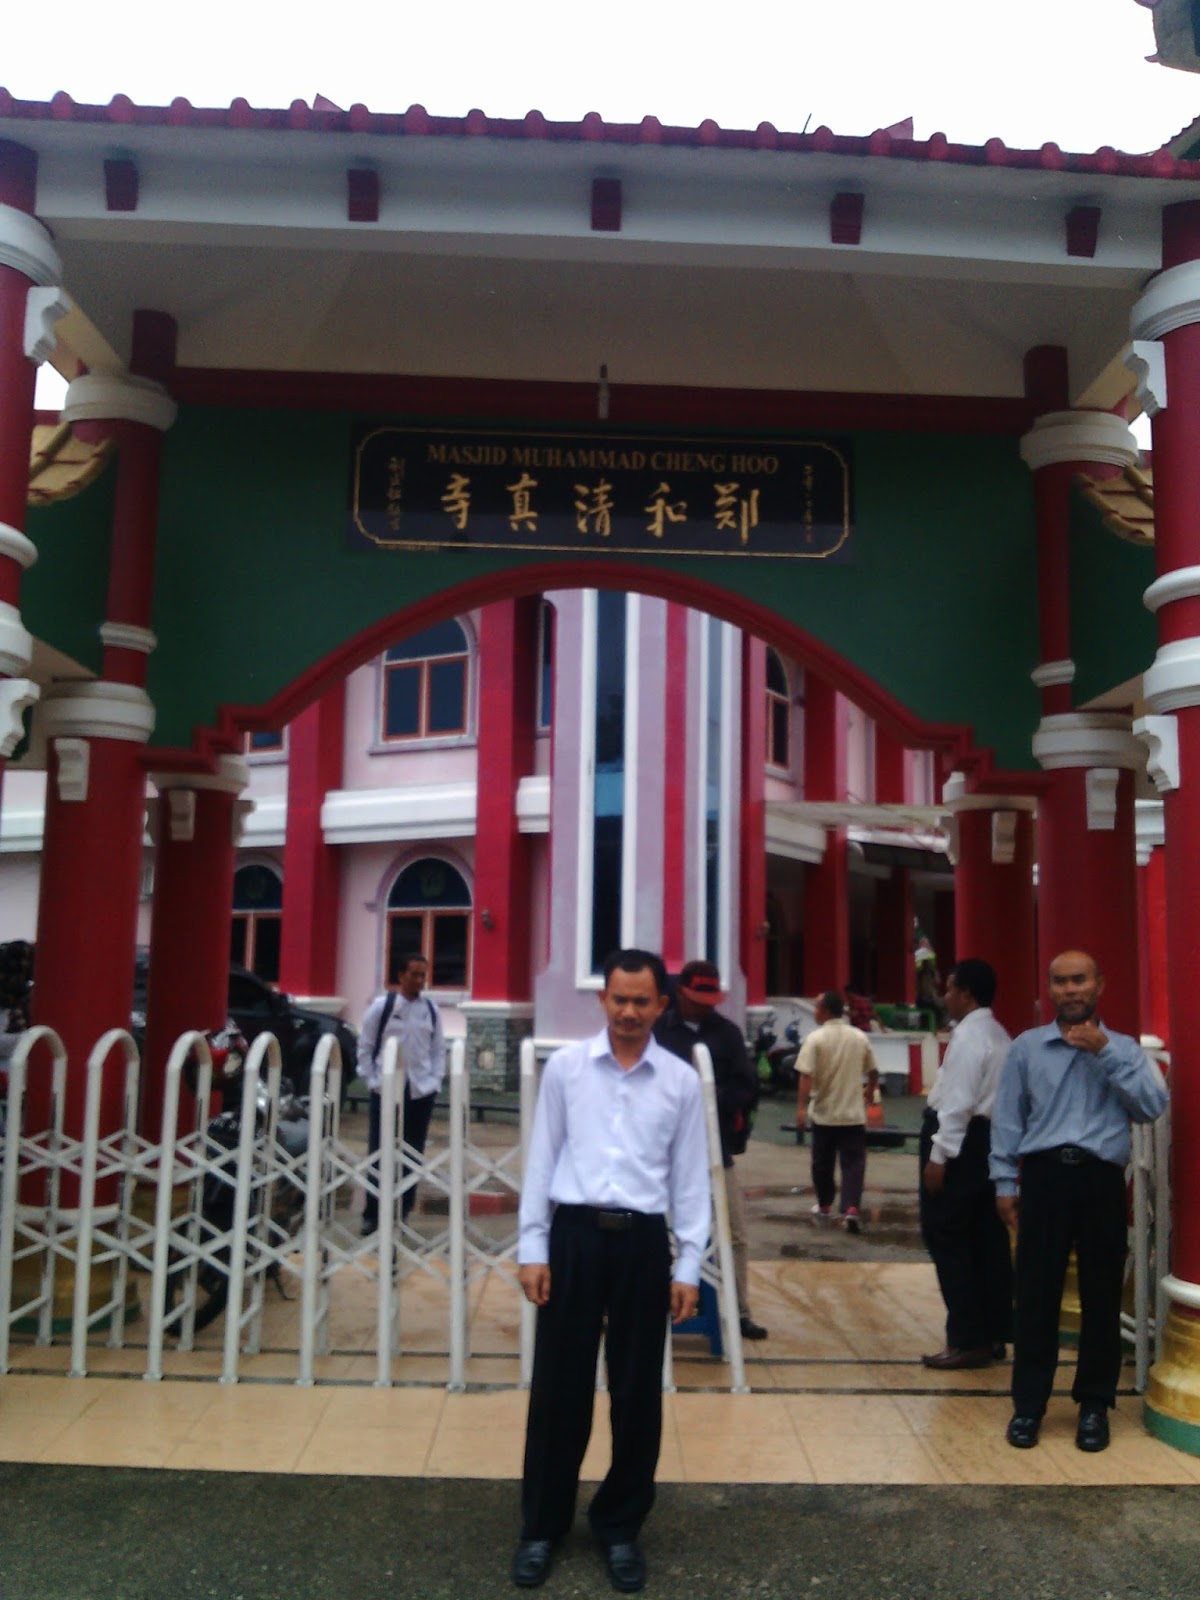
(691, 1019)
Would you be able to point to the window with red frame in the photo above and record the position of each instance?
(779, 710)
(429, 914)
(257, 926)
(425, 685)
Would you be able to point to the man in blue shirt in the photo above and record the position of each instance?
(1066, 1095)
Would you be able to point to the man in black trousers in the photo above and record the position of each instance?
(1066, 1095)
(965, 1238)
(618, 1141)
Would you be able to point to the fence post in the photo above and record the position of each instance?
(327, 1047)
(458, 1216)
(183, 1047)
(730, 1320)
(390, 1082)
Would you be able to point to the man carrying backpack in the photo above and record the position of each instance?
(691, 1019)
(406, 1014)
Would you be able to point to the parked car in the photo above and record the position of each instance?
(258, 1008)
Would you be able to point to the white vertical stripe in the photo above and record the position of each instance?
(727, 854)
(585, 847)
(629, 787)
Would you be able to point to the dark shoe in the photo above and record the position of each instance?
(1023, 1432)
(851, 1220)
(999, 1351)
(626, 1568)
(752, 1330)
(531, 1563)
(369, 1227)
(952, 1360)
(1092, 1432)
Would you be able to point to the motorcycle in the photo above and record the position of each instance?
(228, 1048)
(775, 1059)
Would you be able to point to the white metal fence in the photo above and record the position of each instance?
(240, 1200)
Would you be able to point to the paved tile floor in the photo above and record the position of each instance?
(839, 1396)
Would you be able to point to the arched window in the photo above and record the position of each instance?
(425, 685)
(257, 920)
(779, 706)
(429, 914)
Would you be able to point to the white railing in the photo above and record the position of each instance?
(1149, 1243)
(234, 1207)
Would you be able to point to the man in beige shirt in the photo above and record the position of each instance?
(834, 1061)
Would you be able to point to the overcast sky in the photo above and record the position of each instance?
(1025, 70)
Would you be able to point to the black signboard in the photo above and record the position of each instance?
(438, 489)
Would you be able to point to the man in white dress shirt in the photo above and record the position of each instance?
(409, 1015)
(964, 1236)
(618, 1142)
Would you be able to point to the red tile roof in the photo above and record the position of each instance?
(301, 117)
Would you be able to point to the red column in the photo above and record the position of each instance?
(752, 859)
(675, 748)
(29, 305)
(1152, 919)
(309, 935)
(826, 902)
(993, 895)
(91, 872)
(195, 824)
(1166, 329)
(1087, 893)
(501, 959)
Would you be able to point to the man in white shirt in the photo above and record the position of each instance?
(964, 1236)
(407, 1014)
(618, 1141)
(833, 1063)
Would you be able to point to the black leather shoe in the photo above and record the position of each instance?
(626, 1568)
(1092, 1432)
(999, 1351)
(531, 1563)
(953, 1360)
(1022, 1432)
(752, 1329)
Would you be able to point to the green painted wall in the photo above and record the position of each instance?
(1113, 636)
(254, 583)
(63, 593)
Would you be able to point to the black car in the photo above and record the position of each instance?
(257, 1008)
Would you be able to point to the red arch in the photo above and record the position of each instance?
(953, 742)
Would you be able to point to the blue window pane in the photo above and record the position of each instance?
(266, 741)
(257, 889)
(546, 686)
(776, 677)
(447, 696)
(268, 933)
(428, 882)
(402, 702)
(443, 639)
(404, 942)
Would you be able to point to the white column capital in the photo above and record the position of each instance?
(956, 799)
(16, 642)
(1149, 829)
(1181, 584)
(93, 709)
(1172, 681)
(16, 696)
(1182, 1292)
(1160, 735)
(128, 636)
(1079, 436)
(1051, 673)
(119, 397)
(16, 546)
(1086, 739)
(26, 246)
(1170, 301)
(231, 777)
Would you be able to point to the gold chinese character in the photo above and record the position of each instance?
(661, 512)
(456, 501)
(733, 515)
(522, 511)
(596, 510)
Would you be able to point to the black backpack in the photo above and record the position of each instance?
(385, 1016)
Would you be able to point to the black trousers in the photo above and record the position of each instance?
(597, 1275)
(849, 1146)
(967, 1242)
(418, 1109)
(1062, 1206)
